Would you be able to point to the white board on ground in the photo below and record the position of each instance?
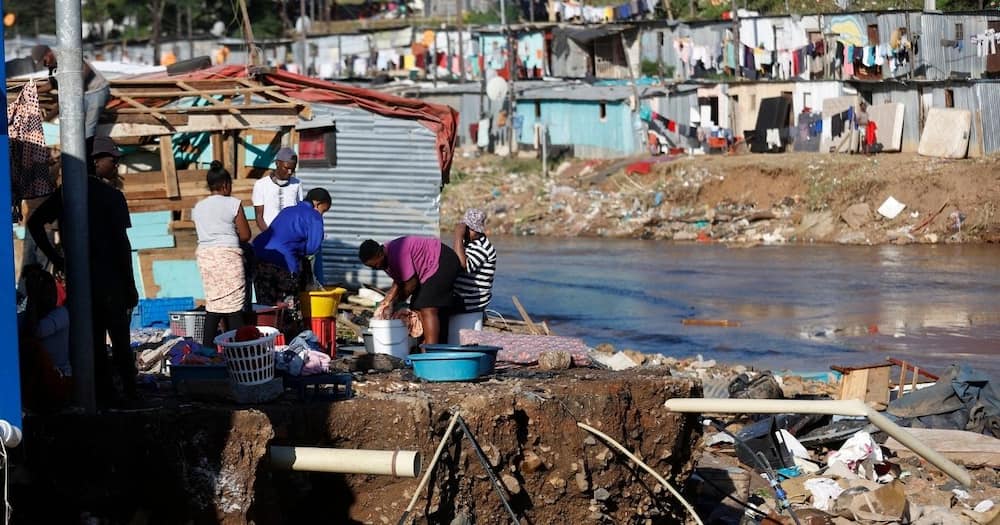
(888, 119)
(946, 133)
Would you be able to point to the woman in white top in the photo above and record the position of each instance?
(221, 226)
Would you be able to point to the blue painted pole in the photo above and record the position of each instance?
(10, 375)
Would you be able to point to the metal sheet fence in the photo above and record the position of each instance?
(386, 183)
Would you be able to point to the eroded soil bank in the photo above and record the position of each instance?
(746, 199)
(199, 463)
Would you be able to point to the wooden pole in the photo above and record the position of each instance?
(253, 55)
(532, 327)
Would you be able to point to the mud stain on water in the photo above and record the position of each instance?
(802, 307)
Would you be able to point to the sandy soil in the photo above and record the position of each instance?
(738, 198)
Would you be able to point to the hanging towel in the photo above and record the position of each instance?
(30, 177)
(773, 138)
(837, 125)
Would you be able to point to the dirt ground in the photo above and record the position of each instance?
(739, 198)
(206, 463)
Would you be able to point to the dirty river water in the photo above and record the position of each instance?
(801, 307)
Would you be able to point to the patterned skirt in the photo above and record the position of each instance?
(223, 278)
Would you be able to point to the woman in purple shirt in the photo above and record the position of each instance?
(421, 268)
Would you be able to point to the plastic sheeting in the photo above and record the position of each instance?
(962, 399)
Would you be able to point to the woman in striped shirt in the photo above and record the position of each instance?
(478, 260)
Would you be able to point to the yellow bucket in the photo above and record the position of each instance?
(321, 303)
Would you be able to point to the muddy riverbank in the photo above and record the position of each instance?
(742, 199)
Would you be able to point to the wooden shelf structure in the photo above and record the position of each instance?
(150, 113)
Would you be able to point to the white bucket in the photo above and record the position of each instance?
(389, 336)
(457, 322)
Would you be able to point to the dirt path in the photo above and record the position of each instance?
(738, 199)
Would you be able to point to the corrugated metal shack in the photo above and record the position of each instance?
(467, 99)
(597, 121)
(947, 50)
(981, 97)
(658, 43)
(606, 51)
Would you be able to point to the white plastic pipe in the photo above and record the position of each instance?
(10, 435)
(399, 463)
(850, 407)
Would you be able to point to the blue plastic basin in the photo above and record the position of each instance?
(446, 366)
(487, 362)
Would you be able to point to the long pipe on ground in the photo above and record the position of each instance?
(853, 407)
(399, 463)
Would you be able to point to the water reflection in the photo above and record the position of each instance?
(802, 307)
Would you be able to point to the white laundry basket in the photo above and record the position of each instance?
(249, 362)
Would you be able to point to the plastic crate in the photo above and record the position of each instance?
(188, 324)
(156, 312)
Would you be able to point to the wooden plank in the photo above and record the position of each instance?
(117, 118)
(188, 189)
(183, 203)
(877, 388)
(968, 448)
(157, 241)
(524, 315)
(149, 287)
(240, 152)
(168, 167)
(139, 219)
(156, 177)
(711, 322)
(274, 94)
(139, 108)
(228, 153)
(183, 110)
(274, 118)
(897, 362)
(854, 384)
(262, 136)
(902, 377)
(188, 88)
(217, 145)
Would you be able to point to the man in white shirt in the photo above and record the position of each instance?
(277, 191)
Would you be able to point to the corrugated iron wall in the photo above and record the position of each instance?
(386, 184)
(910, 98)
(577, 123)
(942, 61)
(988, 95)
(887, 24)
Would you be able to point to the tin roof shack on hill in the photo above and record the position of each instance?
(382, 157)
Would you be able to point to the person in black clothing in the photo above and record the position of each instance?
(113, 292)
